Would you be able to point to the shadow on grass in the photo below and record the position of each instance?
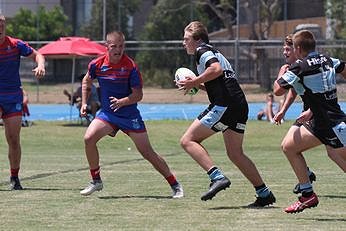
(329, 219)
(130, 196)
(43, 175)
(332, 196)
(77, 124)
(39, 189)
(241, 207)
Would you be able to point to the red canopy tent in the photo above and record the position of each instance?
(72, 48)
(67, 47)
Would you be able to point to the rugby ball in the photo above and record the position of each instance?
(181, 74)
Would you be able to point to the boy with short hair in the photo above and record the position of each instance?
(313, 77)
(226, 113)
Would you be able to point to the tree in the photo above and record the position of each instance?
(44, 25)
(225, 10)
(268, 11)
(166, 22)
(260, 15)
(117, 17)
(336, 14)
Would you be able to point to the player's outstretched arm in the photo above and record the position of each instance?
(40, 70)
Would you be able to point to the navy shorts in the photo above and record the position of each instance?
(219, 118)
(11, 109)
(133, 123)
(11, 104)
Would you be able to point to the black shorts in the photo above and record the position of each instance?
(333, 137)
(220, 118)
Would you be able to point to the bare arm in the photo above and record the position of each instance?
(86, 89)
(291, 95)
(25, 97)
(40, 60)
(277, 89)
(305, 116)
(134, 97)
(269, 111)
(343, 73)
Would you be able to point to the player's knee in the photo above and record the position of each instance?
(13, 141)
(184, 142)
(286, 148)
(88, 139)
(236, 156)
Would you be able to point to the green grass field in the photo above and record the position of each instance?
(135, 197)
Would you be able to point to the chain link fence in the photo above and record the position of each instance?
(249, 67)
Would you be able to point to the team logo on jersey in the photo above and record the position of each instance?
(228, 74)
(122, 71)
(315, 61)
(105, 68)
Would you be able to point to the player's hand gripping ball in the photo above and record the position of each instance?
(181, 74)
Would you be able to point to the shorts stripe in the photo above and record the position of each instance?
(212, 117)
(340, 132)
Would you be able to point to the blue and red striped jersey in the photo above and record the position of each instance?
(116, 80)
(10, 52)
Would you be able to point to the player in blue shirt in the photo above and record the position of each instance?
(121, 88)
(11, 94)
(227, 113)
(313, 77)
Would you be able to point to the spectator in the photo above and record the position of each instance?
(93, 100)
(269, 110)
(26, 113)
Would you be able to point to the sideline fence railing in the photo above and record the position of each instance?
(58, 70)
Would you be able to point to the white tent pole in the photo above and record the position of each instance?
(72, 83)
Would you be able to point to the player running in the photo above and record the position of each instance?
(121, 88)
(227, 113)
(304, 117)
(313, 77)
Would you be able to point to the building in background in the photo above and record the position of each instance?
(78, 12)
(10, 7)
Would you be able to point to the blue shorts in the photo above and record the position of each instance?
(11, 104)
(134, 123)
(219, 118)
(11, 109)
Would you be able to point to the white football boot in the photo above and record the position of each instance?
(92, 187)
